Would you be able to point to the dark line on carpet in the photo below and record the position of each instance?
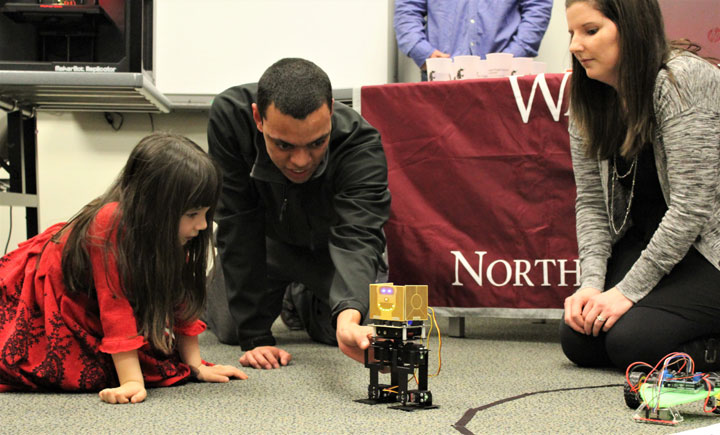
(461, 424)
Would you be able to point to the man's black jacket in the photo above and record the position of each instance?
(342, 208)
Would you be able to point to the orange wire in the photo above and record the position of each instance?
(434, 320)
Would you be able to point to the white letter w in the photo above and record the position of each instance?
(539, 81)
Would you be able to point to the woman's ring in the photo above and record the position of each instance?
(600, 318)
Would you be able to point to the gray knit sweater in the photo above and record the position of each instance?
(687, 156)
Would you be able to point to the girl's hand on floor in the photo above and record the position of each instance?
(129, 392)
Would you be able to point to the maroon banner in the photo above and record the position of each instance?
(482, 189)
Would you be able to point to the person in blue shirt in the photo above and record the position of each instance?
(445, 28)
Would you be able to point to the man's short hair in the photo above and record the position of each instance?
(296, 86)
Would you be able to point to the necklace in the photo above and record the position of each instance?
(615, 172)
(615, 177)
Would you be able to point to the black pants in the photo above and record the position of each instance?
(309, 276)
(286, 265)
(682, 308)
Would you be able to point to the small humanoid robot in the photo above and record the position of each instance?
(397, 315)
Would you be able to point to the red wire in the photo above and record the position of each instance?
(685, 359)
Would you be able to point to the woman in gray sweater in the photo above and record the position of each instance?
(645, 140)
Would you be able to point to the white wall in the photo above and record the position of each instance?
(204, 47)
(79, 154)
(554, 46)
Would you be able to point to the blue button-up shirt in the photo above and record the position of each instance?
(478, 27)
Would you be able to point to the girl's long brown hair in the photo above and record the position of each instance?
(165, 176)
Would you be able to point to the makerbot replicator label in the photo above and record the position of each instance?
(85, 68)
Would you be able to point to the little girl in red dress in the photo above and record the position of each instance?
(111, 300)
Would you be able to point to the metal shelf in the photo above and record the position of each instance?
(18, 199)
(80, 91)
(100, 92)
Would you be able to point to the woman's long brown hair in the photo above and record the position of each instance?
(623, 118)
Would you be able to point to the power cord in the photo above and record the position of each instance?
(9, 233)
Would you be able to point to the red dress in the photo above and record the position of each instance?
(53, 340)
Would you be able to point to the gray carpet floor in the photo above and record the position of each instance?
(498, 359)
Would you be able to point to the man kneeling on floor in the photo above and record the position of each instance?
(304, 200)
